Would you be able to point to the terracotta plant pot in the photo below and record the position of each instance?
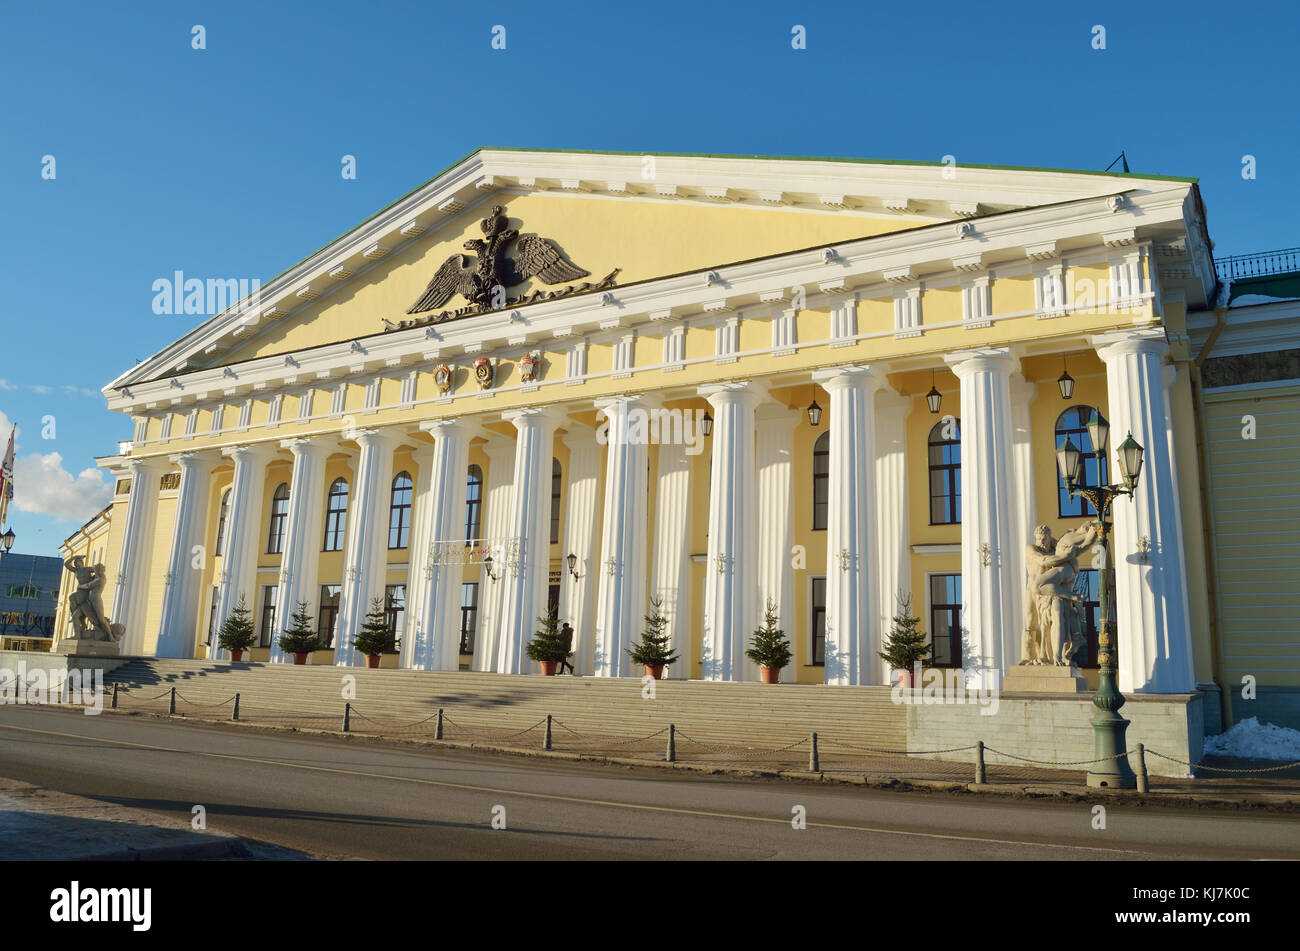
(548, 667)
(770, 675)
(300, 657)
(372, 661)
(905, 679)
(236, 656)
(655, 670)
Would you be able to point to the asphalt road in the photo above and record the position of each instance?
(336, 798)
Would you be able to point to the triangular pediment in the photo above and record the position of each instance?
(619, 218)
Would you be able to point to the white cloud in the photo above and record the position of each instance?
(44, 487)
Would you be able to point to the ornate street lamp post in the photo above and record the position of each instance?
(1112, 769)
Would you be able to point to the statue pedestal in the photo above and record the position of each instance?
(1044, 678)
(86, 647)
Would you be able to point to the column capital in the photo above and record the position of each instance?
(250, 452)
(304, 445)
(578, 435)
(777, 416)
(195, 459)
(645, 400)
(891, 400)
(533, 416)
(1023, 392)
(1150, 340)
(380, 438)
(734, 391)
(866, 375)
(146, 464)
(983, 359)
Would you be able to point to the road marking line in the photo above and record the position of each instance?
(555, 797)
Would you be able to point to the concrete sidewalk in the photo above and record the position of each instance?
(38, 824)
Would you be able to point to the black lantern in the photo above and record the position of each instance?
(487, 564)
(1098, 431)
(7, 539)
(573, 565)
(814, 412)
(1068, 460)
(1065, 381)
(1130, 461)
(934, 398)
(706, 424)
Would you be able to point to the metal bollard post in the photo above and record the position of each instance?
(672, 744)
(114, 705)
(546, 745)
(171, 704)
(347, 717)
(235, 715)
(979, 763)
(1143, 784)
(814, 764)
(438, 732)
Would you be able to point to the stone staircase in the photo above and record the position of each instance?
(732, 714)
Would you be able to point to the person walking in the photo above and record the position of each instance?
(566, 632)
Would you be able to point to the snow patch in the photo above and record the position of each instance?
(1250, 739)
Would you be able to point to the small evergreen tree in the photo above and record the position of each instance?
(906, 643)
(656, 644)
(300, 638)
(770, 647)
(547, 643)
(375, 636)
(236, 632)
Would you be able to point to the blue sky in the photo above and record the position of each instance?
(225, 162)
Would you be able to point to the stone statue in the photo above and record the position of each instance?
(86, 606)
(1053, 617)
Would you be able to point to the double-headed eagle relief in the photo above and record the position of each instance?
(483, 280)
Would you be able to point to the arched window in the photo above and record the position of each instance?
(399, 515)
(556, 483)
(1073, 425)
(336, 515)
(821, 473)
(473, 502)
(279, 515)
(944, 447)
(222, 514)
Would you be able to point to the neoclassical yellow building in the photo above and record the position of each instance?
(590, 379)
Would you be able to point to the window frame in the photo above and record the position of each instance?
(813, 612)
(266, 626)
(336, 520)
(278, 521)
(325, 633)
(951, 470)
(955, 638)
(821, 483)
(557, 489)
(1099, 469)
(468, 633)
(473, 501)
(400, 511)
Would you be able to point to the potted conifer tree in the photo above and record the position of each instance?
(375, 638)
(300, 640)
(547, 646)
(655, 649)
(770, 650)
(236, 634)
(906, 644)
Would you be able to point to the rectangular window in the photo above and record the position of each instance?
(269, 593)
(818, 626)
(329, 612)
(212, 617)
(468, 616)
(821, 484)
(945, 620)
(395, 607)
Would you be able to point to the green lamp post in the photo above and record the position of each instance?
(1112, 769)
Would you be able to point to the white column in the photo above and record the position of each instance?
(893, 572)
(988, 578)
(850, 577)
(422, 554)
(366, 546)
(1153, 634)
(729, 583)
(495, 522)
(243, 530)
(181, 583)
(621, 603)
(1024, 511)
(302, 536)
(774, 461)
(524, 576)
(436, 642)
(131, 599)
(578, 595)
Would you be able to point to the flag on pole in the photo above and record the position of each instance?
(7, 478)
